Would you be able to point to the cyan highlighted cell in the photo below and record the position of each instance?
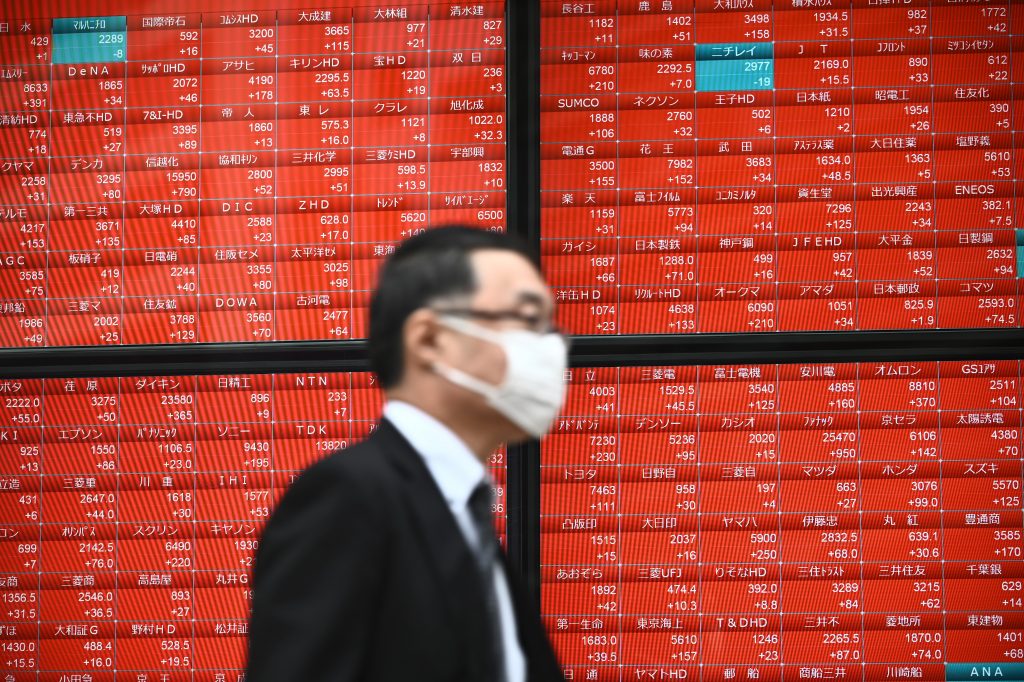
(735, 74)
(730, 67)
(90, 40)
(964, 672)
(715, 51)
(90, 25)
(1020, 254)
(90, 48)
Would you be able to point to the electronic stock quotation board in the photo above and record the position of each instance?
(228, 171)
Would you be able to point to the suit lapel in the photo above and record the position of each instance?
(525, 615)
(450, 561)
(541, 663)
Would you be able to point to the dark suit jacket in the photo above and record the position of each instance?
(363, 574)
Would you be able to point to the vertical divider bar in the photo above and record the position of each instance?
(522, 491)
(522, 214)
(522, 108)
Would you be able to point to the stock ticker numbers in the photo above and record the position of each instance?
(753, 166)
(209, 173)
(856, 521)
(131, 509)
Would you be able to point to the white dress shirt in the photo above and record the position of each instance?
(457, 472)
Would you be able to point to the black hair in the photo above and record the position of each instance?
(430, 265)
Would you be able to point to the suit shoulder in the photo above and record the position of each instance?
(365, 460)
(353, 482)
(361, 465)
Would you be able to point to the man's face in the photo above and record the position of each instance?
(506, 283)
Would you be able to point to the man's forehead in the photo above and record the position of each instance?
(508, 274)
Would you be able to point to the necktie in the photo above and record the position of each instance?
(487, 556)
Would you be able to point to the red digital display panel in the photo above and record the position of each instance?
(226, 171)
(760, 165)
(130, 510)
(855, 521)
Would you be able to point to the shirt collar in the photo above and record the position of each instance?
(455, 469)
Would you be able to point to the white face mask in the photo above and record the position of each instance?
(533, 390)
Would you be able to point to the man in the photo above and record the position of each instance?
(380, 561)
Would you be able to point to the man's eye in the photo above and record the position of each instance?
(534, 321)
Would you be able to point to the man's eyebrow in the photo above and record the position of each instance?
(532, 297)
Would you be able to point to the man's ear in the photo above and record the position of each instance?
(421, 339)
